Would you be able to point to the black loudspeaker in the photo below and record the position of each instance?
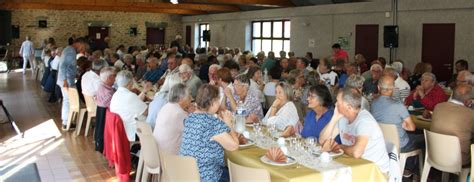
(5, 27)
(15, 31)
(206, 35)
(42, 23)
(390, 36)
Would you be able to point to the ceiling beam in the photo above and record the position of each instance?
(13, 6)
(267, 3)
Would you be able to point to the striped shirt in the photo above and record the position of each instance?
(104, 95)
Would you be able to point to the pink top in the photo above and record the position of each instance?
(169, 128)
(104, 95)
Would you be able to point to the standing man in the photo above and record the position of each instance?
(27, 51)
(67, 74)
(339, 53)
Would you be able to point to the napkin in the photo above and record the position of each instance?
(275, 154)
(242, 140)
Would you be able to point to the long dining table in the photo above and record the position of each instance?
(362, 170)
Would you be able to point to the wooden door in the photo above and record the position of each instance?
(438, 48)
(367, 42)
(188, 35)
(155, 36)
(97, 36)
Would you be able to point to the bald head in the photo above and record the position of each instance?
(386, 84)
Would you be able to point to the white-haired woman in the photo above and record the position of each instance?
(127, 104)
(102, 99)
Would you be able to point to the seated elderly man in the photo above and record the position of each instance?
(248, 97)
(454, 118)
(171, 76)
(154, 74)
(356, 83)
(427, 94)
(102, 99)
(387, 110)
(170, 120)
(212, 74)
(189, 79)
(127, 104)
(90, 80)
(464, 77)
(402, 89)
(141, 66)
(360, 134)
(370, 84)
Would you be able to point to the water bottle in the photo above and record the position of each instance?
(265, 76)
(240, 118)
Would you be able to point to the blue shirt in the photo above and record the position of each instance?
(199, 128)
(342, 80)
(313, 127)
(67, 67)
(153, 75)
(389, 111)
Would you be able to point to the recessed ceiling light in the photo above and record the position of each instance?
(174, 1)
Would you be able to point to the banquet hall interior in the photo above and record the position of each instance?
(236, 90)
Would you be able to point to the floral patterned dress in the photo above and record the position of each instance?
(199, 128)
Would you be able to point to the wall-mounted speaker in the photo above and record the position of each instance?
(206, 35)
(42, 23)
(5, 27)
(390, 36)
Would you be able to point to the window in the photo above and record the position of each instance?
(271, 36)
(203, 27)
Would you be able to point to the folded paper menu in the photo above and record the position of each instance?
(242, 140)
(275, 154)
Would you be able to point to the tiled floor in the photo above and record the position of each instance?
(59, 156)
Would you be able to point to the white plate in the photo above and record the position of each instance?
(332, 154)
(289, 161)
(416, 109)
(422, 118)
(249, 143)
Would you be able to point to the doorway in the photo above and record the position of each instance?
(367, 42)
(438, 48)
(155, 36)
(97, 36)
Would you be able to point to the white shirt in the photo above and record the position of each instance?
(127, 105)
(171, 79)
(46, 60)
(90, 83)
(254, 85)
(285, 116)
(270, 89)
(27, 49)
(329, 78)
(55, 63)
(401, 90)
(169, 127)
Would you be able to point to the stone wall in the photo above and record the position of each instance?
(61, 24)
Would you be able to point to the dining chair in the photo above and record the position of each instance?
(179, 168)
(91, 108)
(472, 163)
(75, 109)
(240, 173)
(443, 152)
(148, 153)
(390, 133)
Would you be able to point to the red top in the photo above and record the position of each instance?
(340, 54)
(116, 146)
(435, 96)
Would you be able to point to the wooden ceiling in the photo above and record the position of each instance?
(185, 7)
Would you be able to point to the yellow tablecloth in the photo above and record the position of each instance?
(421, 124)
(362, 170)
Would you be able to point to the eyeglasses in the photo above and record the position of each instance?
(312, 96)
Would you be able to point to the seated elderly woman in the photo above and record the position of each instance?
(170, 120)
(248, 97)
(103, 97)
(320, 103)
(356, 82)
(428, 94)
(256, 81)
(283, 111)
(127, 104)
(205, 136)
